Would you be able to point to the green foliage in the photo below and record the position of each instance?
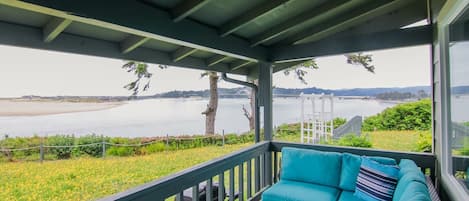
(95, 150)
(91, 145)
(153, 148)
(61, 140)
(352, 140)
(361, 59)
(406, 116)
(424, 143)
(465, 149)
(140, 70)
(339, 122)
(295, 128)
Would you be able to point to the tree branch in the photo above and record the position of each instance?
(246, 113)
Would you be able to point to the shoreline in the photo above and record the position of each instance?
(10, 108)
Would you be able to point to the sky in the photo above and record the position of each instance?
(26, 71)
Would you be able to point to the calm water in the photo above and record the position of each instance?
(169, 116)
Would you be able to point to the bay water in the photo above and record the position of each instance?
(161, 117)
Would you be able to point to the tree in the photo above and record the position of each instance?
(140, 69)
(300, 72)
(212, 106)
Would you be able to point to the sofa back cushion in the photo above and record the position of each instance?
(351, 166)
(311, 166)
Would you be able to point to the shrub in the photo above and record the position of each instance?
(352, 140)
(95, 150)
(153, 148)
(121, 151)
(424, 143)
(407, 116)
(465, 149)
(339, 122)
(295, 128)
(61, 140)
(116, 150)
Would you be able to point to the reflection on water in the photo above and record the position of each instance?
(169, 116)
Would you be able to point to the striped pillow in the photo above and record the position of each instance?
(376, 181)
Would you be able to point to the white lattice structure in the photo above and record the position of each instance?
(317, 114)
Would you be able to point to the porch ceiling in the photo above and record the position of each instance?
(220, 35)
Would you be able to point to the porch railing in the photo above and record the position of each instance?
(247, 162)
(246, 173)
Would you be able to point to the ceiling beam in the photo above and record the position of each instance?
(401, 17)
(31, 37)
(54, 27)
(216, 59)
(135, 21)
(286, 65)
(249, 16)
(361, 42)
(182, 53)
(347, 20)
(132, 42)
(296, 21)
(186, 8)
(239, 64)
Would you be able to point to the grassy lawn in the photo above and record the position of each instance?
(92, 178)
(395, 140)
(387, 140)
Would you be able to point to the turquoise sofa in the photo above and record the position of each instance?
(308, 175)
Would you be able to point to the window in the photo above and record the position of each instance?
(458, 135)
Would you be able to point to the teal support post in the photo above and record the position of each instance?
(265, 95)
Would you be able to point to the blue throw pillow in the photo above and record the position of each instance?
(376, 182)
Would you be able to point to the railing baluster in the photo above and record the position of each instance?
(208, 191)
(221, 186)
(262, 170)
(232, 187)
(241, 181)
(180, 196)
(249, 176)
(257, 179)
(275, 167)
(195, 193)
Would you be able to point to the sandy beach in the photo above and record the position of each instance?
(35, 108)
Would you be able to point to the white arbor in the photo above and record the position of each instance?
(317, 115)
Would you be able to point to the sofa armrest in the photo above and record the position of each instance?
(431, 189)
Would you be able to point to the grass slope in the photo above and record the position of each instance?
(92, 178)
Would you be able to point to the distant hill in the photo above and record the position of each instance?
(243, 92)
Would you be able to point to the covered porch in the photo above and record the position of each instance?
(255, 39)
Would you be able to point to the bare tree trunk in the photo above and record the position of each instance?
(251, 116)
(212, 106)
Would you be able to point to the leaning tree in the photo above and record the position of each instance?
(142, 83)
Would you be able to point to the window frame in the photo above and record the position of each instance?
(449, 14)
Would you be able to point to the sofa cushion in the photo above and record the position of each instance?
(286, 190)
(376, 181)
(351, 166)
(311, 166)
(348, 196)
(405, 180)
(414, 191)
